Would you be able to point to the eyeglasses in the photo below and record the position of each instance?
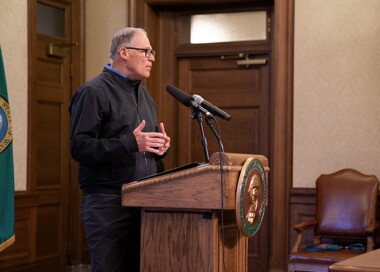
(148, 52)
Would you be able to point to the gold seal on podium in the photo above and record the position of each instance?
(251, 197)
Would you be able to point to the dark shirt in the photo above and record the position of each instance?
(104, 113)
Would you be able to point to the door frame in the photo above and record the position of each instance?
(144, 14)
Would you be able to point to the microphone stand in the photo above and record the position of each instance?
(221, 148)
(196, 115)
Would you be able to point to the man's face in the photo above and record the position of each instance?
(138, 65)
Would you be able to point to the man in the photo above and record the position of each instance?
(116, 139)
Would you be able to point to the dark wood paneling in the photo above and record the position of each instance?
(48, 230)
(281, 162)
(49, 133)
(39, 234)
(302, 207)
(49, 157)
(23, 249)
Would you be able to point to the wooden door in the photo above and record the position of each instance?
(49, 158)
(243, 92)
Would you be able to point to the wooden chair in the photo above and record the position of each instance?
(345, 214)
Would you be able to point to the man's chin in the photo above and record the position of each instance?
(146, 75)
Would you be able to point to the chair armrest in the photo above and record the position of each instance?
(372, 227)
(311, 224)
(306, 225)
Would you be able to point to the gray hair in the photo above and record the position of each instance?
(123, 37)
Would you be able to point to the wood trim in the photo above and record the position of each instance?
(281, 162)
(32, 49)
(77, 249)
(185, 50)
(302, 203)
(22, 252)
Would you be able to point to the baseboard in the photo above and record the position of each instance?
(79, 268)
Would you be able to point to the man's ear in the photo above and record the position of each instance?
(123, 53)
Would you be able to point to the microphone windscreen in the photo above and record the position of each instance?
(181, 96)
(198, 99)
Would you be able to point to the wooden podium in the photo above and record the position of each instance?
(183, 227)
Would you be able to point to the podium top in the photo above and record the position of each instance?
(197, 187)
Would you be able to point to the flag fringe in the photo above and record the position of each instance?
(7, 243)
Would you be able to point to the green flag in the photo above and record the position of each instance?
(7, 221)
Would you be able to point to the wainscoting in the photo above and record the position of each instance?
(30, 254)
(301, 208)
(40, 240)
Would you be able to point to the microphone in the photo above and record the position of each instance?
(187, 100)
(181, 96)
(211, 108)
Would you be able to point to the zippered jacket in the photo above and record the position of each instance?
(104, 113)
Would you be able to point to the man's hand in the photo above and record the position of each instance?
(166, 139)
(155, 142)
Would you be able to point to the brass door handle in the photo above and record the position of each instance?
(56, 50)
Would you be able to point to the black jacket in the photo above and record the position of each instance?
(104, 113)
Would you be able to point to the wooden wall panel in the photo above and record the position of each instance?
(38, 231)
(48, 230)
(23, 250)
(302, 207)
(47, 71)
(49, 134)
